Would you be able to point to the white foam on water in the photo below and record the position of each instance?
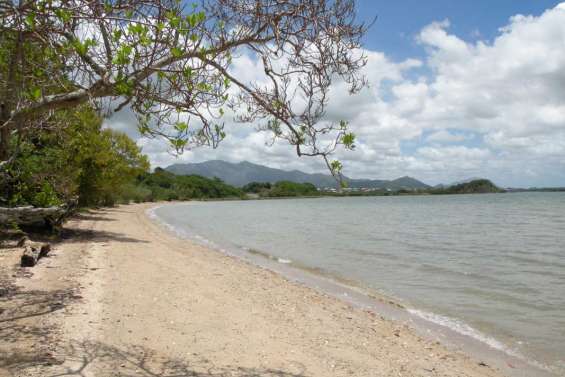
(464, 329)
(177, 231)
(461, 328)
(284, 261)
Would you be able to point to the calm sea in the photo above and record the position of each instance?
(490, 266)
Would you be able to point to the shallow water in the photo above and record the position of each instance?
(488, 266)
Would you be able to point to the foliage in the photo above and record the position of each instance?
(169, 61)
(163, 185)
(477, 186)
(257, 187)
(288, 189)
(81, 160)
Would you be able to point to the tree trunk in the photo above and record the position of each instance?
(4, 134)
(50, 218)
(10, 94)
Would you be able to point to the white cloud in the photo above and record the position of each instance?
(510, 90)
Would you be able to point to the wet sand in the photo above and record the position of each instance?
(123, 297)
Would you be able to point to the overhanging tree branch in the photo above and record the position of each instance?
(165, 58)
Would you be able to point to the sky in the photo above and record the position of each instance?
(458, 89)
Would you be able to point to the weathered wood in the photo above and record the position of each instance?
(22, 242)
(44, 250)
(49, 217)
(30, 256)
(33, 252)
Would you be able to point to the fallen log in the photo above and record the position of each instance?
(33, 252)
(49, 218)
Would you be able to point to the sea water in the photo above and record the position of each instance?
(488, 266)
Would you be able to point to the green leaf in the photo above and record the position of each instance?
(336, 166)
(63, 15)
(30, 20)
(348, 140)
(181, 126)
(176, 52)
(35, 94)
(80, 48)
(124, 88)
(187, 72)
(122, 56)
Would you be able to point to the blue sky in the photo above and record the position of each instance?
(398, 22)
(458, 89)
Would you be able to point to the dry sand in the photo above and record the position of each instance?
(123, 297)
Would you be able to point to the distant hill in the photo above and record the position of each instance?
(240, 174)
(443, 185)
(477, 186)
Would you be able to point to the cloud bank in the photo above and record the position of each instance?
(493, 109)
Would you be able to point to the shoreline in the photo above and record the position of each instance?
(144, 302)
(431, 326)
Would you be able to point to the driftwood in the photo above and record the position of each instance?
(33, 252)
(49, 218)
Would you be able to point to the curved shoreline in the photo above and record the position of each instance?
(147, 303)
(451, 332)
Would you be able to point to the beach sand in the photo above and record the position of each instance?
(123, 297)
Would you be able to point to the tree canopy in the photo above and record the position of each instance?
(170, 62)
(78, 161)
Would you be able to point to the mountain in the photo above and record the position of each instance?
(240, 174)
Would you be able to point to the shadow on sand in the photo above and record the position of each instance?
(24, 338)
(97, 359)
(73, 235)
(91, 216)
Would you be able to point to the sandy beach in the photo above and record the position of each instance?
(120, 296)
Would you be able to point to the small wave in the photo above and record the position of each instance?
(153, 216)
(151, 213)
(464, 329)
(266, 255)
(461, 328)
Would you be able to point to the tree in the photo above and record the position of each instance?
(106, 161)
(78, 159)
(170, 61)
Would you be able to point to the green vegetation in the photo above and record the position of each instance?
(257, 187)
(83, 163)
(163, 185)
(281, 189)
(287, 188)
(478, 186)
(73, 160)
